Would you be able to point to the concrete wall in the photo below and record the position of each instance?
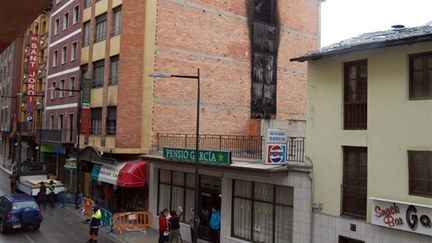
(395, 124)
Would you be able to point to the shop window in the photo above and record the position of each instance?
(355, 95)
(420, 76)
(420, 173)
(354, 185)
(262, 212)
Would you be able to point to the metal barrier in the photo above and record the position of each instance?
(131, 221)
(66, 197)
(106, 218)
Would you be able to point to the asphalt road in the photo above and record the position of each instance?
(59, 225)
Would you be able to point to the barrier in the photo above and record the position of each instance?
(106, 219)
(65, 197)
(132, 221)
(87, 205)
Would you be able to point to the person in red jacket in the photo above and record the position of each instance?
(163, 226)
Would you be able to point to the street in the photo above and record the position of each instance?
(59, 225)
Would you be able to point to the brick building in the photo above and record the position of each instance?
(61, 107)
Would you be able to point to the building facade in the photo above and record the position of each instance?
(61, 107)
(369, 137)
(247, 85)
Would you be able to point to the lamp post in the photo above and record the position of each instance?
(15, 113)
(78, 127)
(160, 74)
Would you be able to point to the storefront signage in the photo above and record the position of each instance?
(85, 120)
(277, 136)
(32, 73)
(402, 216)
(276, 154)
(216, 157)
(85, 105)
(109, 174)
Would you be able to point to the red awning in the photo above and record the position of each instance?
(133, 174)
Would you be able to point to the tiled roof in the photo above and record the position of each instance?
(379, 39)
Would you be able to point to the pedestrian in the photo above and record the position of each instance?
(51, 193)
(192, 224)
(95, 224)
(215, 225)
(163, 226)
(41, 197)
(174, 226)
(13, 180)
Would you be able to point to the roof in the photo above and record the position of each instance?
(393, 37)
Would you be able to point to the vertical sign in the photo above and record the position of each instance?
(32, 76)
(85, 105)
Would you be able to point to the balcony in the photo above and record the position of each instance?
(240, 146)
(56, 135)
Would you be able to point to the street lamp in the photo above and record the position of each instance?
(161, 74)
(15, 115)
(78, 127)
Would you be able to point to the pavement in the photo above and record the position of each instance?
(136, 236)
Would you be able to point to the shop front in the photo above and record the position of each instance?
(258, 202)
(120, 187)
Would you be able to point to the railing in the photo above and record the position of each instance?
(355, 116)
(251, 147)
(55, 135)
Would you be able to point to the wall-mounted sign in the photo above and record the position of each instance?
(276, 136)
(32, 73)
(85, 120)
(276, 154)
(85, 105)
(216, 157)
(404, 216)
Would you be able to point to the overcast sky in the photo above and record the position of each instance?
(343, 19)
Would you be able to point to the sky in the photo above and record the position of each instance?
(343, 19)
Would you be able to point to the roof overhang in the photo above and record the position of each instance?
(16, 16)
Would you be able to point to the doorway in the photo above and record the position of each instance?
(210, 197)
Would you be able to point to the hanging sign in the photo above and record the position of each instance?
(32, 73)
(276, 154)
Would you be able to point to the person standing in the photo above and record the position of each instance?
(13, 180)
(95, 224)
(174, 226)
(163, 226)
(41, 197)
(51, 193)
(215, 225)
(192, 224)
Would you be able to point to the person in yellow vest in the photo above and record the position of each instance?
(51, 193)
(95, 224)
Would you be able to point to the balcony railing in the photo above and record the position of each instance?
(240, 146)
(56, 135)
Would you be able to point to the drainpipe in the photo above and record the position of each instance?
(312, 216)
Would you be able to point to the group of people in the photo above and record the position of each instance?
(169, 226)
(42, 194)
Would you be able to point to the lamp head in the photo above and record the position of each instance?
(160, 74)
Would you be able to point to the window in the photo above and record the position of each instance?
(262, 212)
(62, 86)
(65, 20)
(98, 73)
(355, 95)
(70, 127)
(60, 122)
(55, 58)
(87, 3)
(100, 28)
(420, 173)
(52, 91)
(74, 51)
(51, 122)
(420, 76)
(86, 33)
(116, 21)
(111, 120)
(96, 121)
(84, 71)
(64, 55)
(343, 239)
(56, 26)
(76, 13)
(72, 85)
(354, 184)
(114, 65)
(176, 189)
